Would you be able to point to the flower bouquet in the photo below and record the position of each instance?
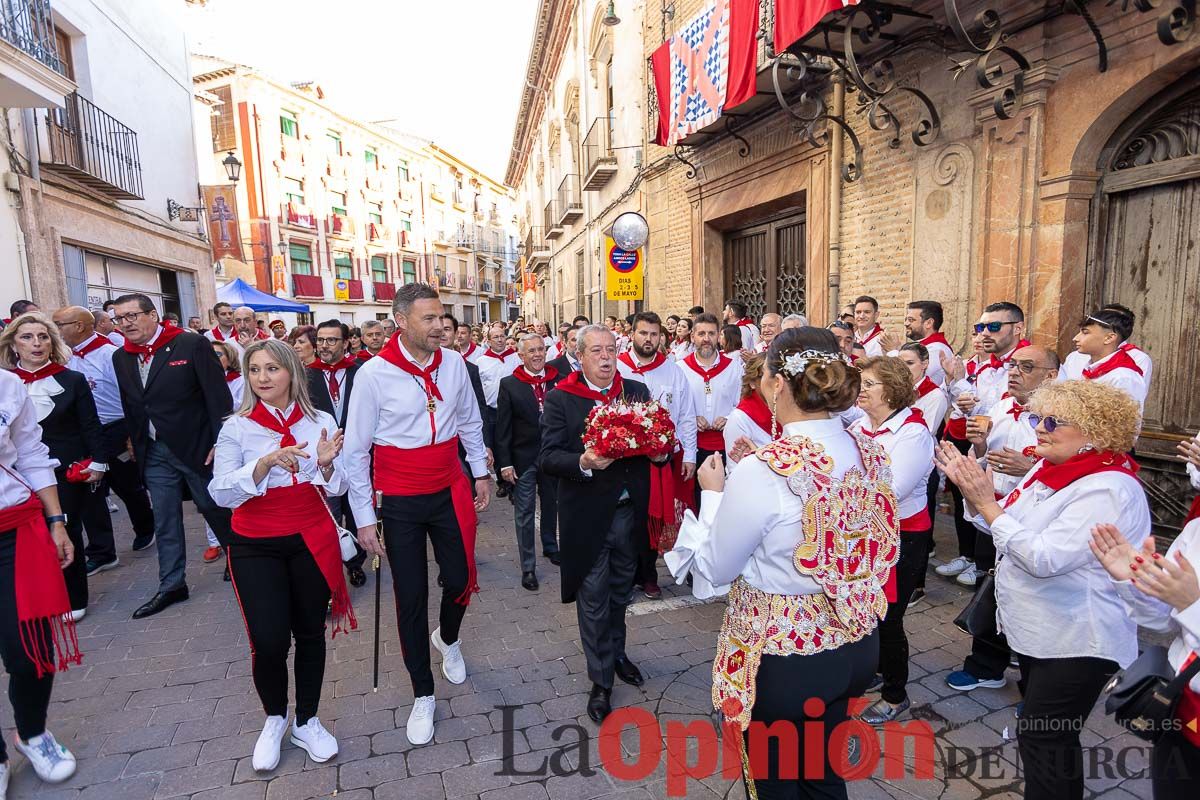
(621, 430)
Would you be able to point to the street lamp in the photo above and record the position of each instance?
(233, 167)
(610, 17)
(282, 246)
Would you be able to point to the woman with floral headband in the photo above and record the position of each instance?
(806, 534)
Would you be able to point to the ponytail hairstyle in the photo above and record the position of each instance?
(820, 376)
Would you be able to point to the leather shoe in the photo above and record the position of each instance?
(161, 601)
(627, 671)
(225, 576)
(555, 558)
(529, 581)
(356, 576)
(599, 703)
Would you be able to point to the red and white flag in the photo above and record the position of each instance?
(795, 18)
(707, 67)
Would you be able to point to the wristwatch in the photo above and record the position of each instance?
(56, 518)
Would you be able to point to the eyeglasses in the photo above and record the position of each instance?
(130, 317)
(324, 340)
(991, 327)
(1051, 423)
(1026, 367)
(867, 383)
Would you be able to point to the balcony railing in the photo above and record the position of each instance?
(537, 250)
(570, 202)
(599, 160)
(553, 227)
(28, 26)
(93, 148)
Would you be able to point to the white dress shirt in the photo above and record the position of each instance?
(737, 425)
(1053, 598)
(989, 384)
(474, 353)
(1123, 378)
(909, 445)
(669, 387)
(389, 407)
(1076, 362)
(1153, 614)
(491, 370)
(872, 342)
(749, 336)
(97, 367)
(1193, 472)
(680, 350)
(237, 388)
(752, 528)
(116, 338)
(242, 442)
(933, 404)
(25, 462)
(1012, 432)
(721, 394)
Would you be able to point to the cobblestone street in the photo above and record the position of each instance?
(164, 707)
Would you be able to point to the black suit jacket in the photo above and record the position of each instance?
(562, 365)
(589, 503)
(318, 391)
(72, 430)
(518, 424)
(185, 395)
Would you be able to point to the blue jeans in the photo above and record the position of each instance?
(165, 477)
(529, 484)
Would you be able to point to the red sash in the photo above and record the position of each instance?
(364, 355)
(670, 494)
(147, 351)
(500, 356)
(937, 337)
(427, 470)
(656, 362)
(48, 370)
(576, 384)
(1059, 476)
(925, 387)
(92, 346)
(1187, 711)
(286, 510)
(1118, 360)
(40, 589)
(754, 407)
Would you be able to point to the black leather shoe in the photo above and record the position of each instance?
(555, 558)
(225, 577)
(142, 542)
(599, 703)
(628, 672)
(356, 576)
(161, 601)
(529, 581)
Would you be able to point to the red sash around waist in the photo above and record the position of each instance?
(41, 590)
(427, 470)
(670, 494)
(286, 510)
(711, 440)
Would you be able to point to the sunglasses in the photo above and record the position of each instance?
(991, 327)
(1051, 423)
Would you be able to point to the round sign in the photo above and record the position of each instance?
(624, 260)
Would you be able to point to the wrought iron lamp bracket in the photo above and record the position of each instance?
(681, 155)
(183, 213)
(731, 124)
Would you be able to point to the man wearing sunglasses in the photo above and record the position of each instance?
(1102, 338)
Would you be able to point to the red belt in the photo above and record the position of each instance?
(917, 523)
(711, 440)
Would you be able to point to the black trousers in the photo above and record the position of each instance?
(784, 684)
(125, 480)
(893, 642)
(74, 497)
(1059, 694)
(407, 522)
(646, 569)
(283, 596)
(28, 694)
(931, 491)
(965, 530)
(603, 597)
(1175, 768)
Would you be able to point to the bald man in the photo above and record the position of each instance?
(245, 328)
(768, 327)
(104, 326)
(91, 355)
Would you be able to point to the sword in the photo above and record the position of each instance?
(378, 585)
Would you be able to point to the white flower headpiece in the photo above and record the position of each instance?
(794, 364)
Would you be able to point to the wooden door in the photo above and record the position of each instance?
(765, 266)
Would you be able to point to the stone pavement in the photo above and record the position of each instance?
(164, 707)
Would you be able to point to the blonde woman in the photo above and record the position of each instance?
(276, 457)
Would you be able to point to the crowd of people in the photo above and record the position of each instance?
(803, 484)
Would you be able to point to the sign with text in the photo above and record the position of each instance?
(624, 270)
(341, 290)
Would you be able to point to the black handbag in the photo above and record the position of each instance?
(978, 617)
(1142, 697)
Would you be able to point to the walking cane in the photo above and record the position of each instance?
(378, 585)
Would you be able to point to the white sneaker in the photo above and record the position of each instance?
(952, 568)
(77, 614)
(968, 576)
(453, 666)
(318, 742)
(52, 762)
(420, 720)
(112, 509)
(266, 749)
(4, 780)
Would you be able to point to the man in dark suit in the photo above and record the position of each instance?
(568, 362)
(518, 438)
(330, 382)
(606, 502)
(175, 398)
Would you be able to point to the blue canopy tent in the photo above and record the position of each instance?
(239, 293)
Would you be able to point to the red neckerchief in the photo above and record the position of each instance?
(744, 322)
(347, 362)
(391, 354)
(261, 334)
(1117, 360)
(656, 362)
(232, 375)
(500, 356)
(147, 351)
(537, 383)
(271, 420)
(95, 343)
(1017, 409)
(1129, 347)
(1002, 363)
(754, 407)
(925, 387)
(915, 417)
(364, 355)
(576, 385)
(972, 365)
(45, 371)
(878, 329)
(723, 361)
(935, 338)
(471, 350)
(220, 337)
(1058, 476)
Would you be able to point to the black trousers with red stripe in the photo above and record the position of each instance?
(407, 522)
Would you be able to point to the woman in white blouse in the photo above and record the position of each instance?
(886, 398)
(275, 459)
(1055, 603)
(795, 550)
(681, 345)
(748, 426)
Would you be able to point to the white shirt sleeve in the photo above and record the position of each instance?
(1193, 472)
(687, 422)
(912, 459)
(361, 420)
(33, 463)
(470, 429)
(233, 479)
(736, 426)
(741, 516)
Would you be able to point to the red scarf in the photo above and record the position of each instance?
(878, 329)
(48, 370)
(1187, 711)
(500, 356)
(1058, 476)
(364, 355)
(656, 362)
(259, 333)
(754, 407)
(1002, 363)
(271, 421)
(42, 602)
(723, 361)
(220, 337)
(94, 344)
(744, 322)
(576, 385)
(1118, 360)
(470, 350)
(937, 337)
(925, 387)
(670, 495)
(330, 370)
(538, 384)
(916, 417)
(147, 351)
(972, 367)
(232, 375)
(1017, 409)
(391, 354)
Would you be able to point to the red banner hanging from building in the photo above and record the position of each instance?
(220, 203)
(794, 19)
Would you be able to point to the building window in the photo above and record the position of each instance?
(406, 222)
(410, 271)
(343, 265)
(288, 125)
(379, 270)
(375, 213)
(440, 262)
(333, 141)
(294, 189)
(403, 169)
(338, 203)
(221, 121)
(65, 58)
(371, 157)
(301, 255)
